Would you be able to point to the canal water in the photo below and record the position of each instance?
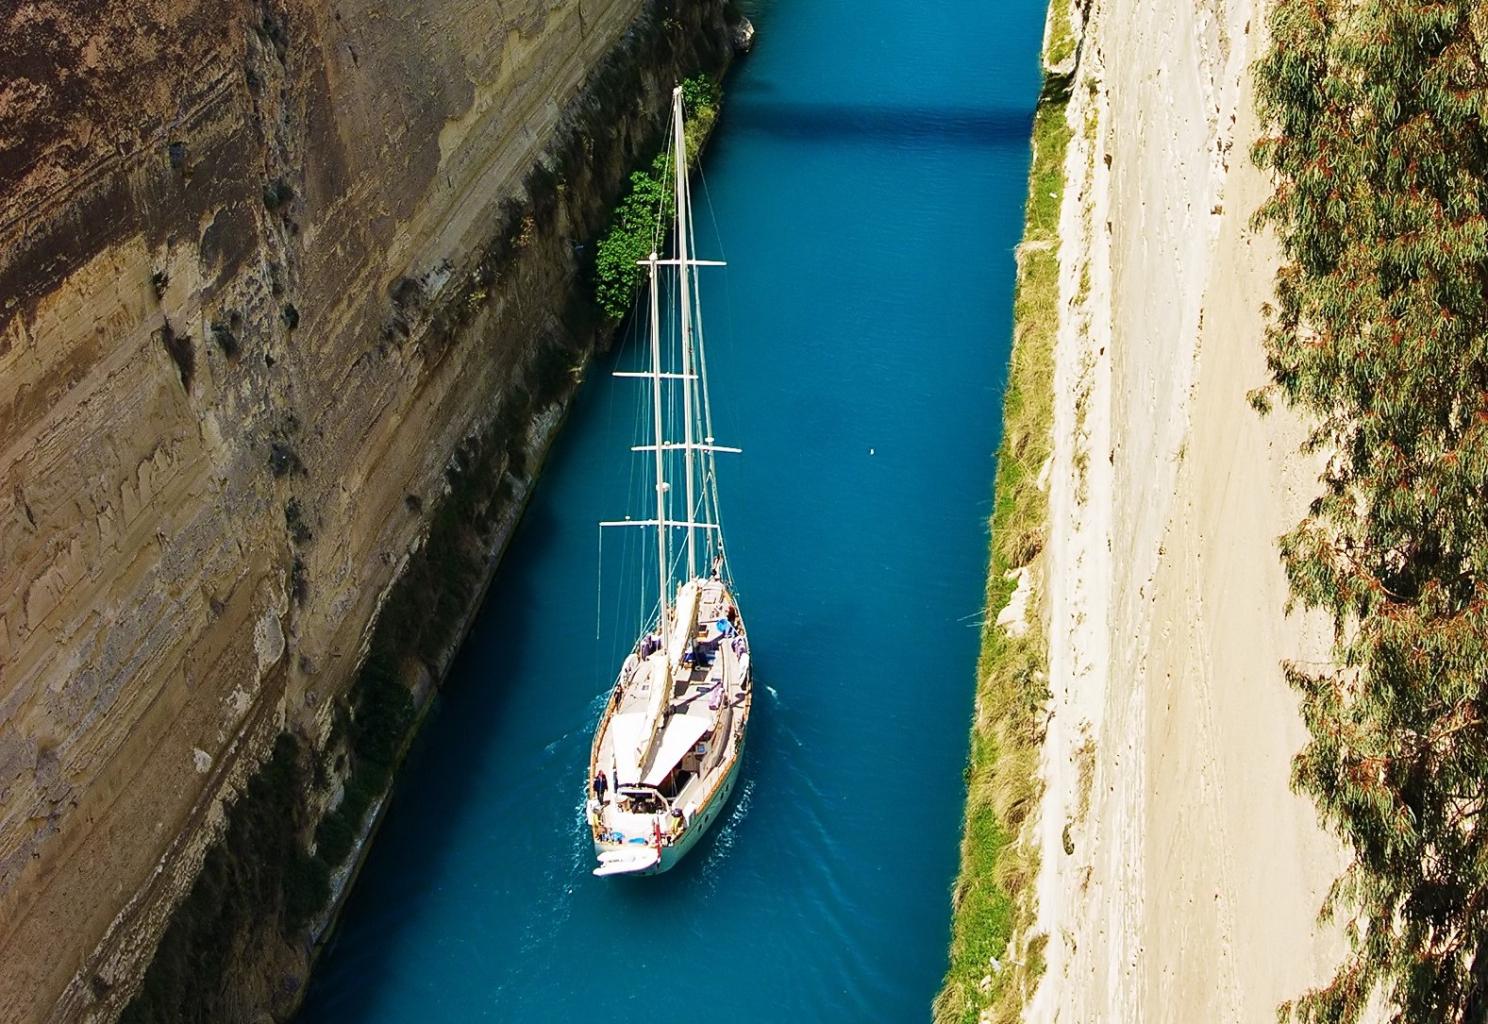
(866, 185)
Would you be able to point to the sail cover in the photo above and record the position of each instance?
(682, 734)
(684, 622)
(627, 732)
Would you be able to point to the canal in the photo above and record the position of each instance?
(866, 184)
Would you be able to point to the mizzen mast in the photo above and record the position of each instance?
(684, 276)
(661, 484)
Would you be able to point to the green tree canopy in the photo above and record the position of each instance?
(1375, 121)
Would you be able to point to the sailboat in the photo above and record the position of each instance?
(667, 751)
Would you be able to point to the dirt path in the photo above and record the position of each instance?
(1192, 888)
(1236, 864)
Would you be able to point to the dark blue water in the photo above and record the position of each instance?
(866, 183)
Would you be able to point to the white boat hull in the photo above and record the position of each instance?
(673, 852)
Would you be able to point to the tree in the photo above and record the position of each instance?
(1375, 116)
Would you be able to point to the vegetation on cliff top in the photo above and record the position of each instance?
(1062, 40)
(993, 897)
(640, 216)
(1375, 115)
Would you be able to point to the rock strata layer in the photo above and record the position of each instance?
(268, 271)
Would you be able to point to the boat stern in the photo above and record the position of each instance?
(626, 859)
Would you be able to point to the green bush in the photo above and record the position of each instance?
(335, 836)
(700, 93)
(639, 224)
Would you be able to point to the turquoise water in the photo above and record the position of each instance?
(866, 183)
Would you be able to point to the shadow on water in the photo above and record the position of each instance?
(447, 779)
(439, 784)
(836, 122)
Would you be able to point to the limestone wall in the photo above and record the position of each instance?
(243, 330)
(1180, 876)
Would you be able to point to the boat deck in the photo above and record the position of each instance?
(703, 721)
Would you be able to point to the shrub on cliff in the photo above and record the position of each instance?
(1375, 114)
(699, 94)
(640, 219)
(634, 233)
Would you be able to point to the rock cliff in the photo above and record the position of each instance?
(274, 276)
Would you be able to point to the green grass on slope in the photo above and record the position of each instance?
(993, 895)
(1061, 34)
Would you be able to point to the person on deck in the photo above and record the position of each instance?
(600, 785)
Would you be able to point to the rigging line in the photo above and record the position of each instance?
(710, 477)
(687, 287)
(633, 554)
(698, 328)
(666, 176)
(634, 470)
(712, 217)
(707, 406)
(728, 294)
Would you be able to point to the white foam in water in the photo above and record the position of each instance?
(726, 833)
(581, 850)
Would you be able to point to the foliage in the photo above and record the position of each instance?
(700, 93)
(634, 233)
(1375, 119)
(1061, 33)
(993, 894)
(636, 229)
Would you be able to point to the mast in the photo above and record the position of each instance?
(684, 273)
(661, 486)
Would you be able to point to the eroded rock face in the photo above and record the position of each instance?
(248, 314)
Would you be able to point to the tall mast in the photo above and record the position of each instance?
(661, 486)
(684, 273)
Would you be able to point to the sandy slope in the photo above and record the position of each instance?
(1191, 891)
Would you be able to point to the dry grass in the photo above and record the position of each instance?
(994, 961)
(1062, 39)
(1085, 765)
